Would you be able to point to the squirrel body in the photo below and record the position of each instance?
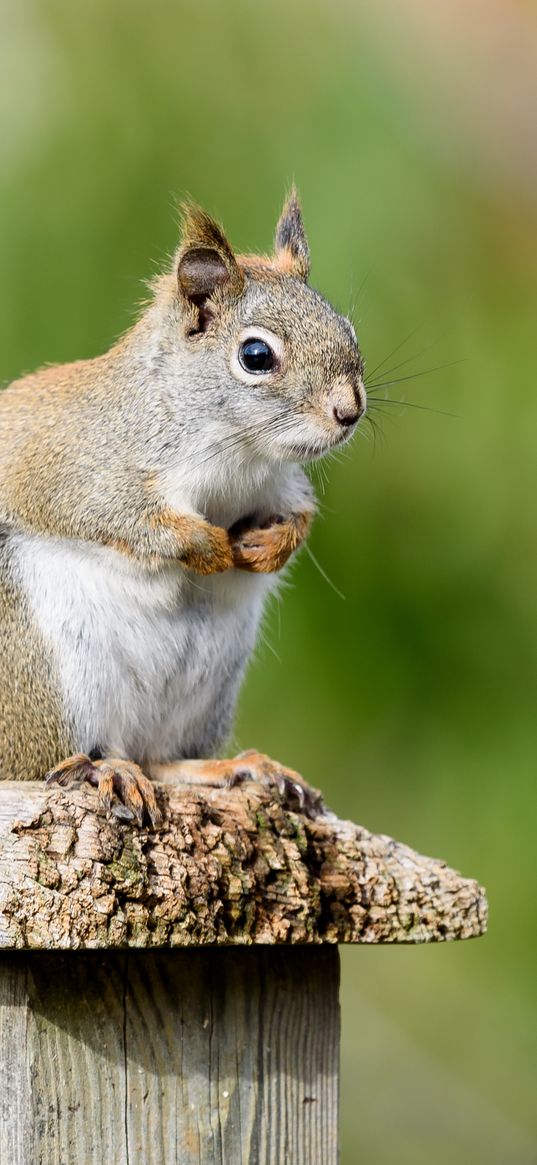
(149, 498)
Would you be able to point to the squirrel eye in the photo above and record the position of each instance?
(256, 356)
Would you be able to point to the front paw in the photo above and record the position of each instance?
(267, 548)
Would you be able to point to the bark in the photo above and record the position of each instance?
(229, 867)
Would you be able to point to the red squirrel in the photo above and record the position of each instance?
(149, 498)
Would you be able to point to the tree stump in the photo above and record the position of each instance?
(171, 998)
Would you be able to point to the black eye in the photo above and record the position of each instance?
(256, 356)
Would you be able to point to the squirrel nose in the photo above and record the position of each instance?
(345, 415)
(348, 401)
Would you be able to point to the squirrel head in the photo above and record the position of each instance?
(271, 356)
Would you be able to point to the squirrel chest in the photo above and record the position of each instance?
(148, 663)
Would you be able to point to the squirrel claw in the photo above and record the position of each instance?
(289, 785)
(122, 812)
(124, 779)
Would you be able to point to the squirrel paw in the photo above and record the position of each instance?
(247, 766)
(134, 792)
(294, 791)
(267, 548)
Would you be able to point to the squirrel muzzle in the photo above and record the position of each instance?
(347, 400)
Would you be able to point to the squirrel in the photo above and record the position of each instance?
(149, 497)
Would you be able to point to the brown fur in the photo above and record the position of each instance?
(200, 546)
(33, 731)
(194, 542)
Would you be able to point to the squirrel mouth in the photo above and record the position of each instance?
(314, 450)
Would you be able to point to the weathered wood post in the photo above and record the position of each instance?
(172, 998)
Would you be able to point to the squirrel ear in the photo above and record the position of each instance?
(291, 244)
(205, 260)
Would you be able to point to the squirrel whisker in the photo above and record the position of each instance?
(413, 375)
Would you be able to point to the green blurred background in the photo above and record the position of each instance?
(409, 129)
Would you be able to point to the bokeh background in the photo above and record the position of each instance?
(405, 686)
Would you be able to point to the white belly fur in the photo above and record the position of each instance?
(144, 659)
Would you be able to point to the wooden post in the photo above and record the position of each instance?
(171, 998)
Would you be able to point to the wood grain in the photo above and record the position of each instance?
(228, 867)
(199, 1057)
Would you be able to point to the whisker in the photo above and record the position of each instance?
(361, 287)
(375, 429)
(317, 470)
(394, 350)
(323, 573)
(407, 404)
(413, 375)
(386, 417)
(236, 440)
(263, 637)
(402, 363)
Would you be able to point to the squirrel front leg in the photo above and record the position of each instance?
(186, 538)
(117, 510)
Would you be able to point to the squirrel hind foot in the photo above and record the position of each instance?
(250, 765)
(123, 789)
(293, 790)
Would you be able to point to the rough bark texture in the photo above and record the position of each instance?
(228, 867)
